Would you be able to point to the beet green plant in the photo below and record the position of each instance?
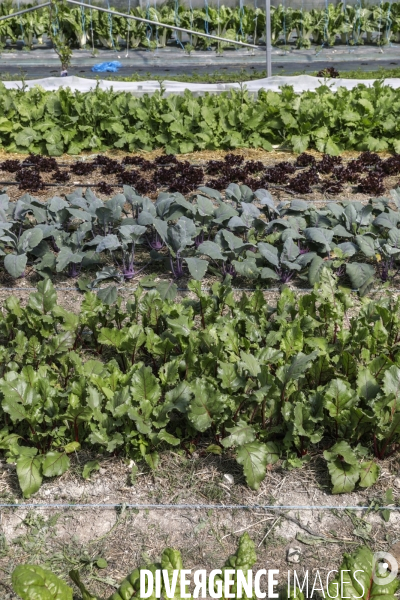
(262, 383)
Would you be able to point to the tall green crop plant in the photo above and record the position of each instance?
(33, 24)
(319, 21)
(334, 23)
(259, 24)
(382, 23)
(8, 27)
(60, 44)
(303, 23)
(75, 25)
(167, 16)
(395, 20)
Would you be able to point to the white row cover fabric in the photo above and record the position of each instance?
(300, 83)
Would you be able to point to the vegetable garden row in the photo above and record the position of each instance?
(32, 582)
(240, 233)
(330, 175)
(78, 27)
(364, 118)
(211, 373)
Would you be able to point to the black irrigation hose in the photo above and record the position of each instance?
(117, 185)
(182, 290)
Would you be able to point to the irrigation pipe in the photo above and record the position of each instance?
(119, 185)
(159, 24)
(22, 12)
(180, 290)
(199, 506)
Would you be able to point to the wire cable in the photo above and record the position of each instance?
(273, 507)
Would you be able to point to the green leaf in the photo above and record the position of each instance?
(360, 581)
(230, 380)
(101, 563)
(108, 295)
(247, 268)
(267, 273)
(344, 476)
(15, 264)
(250, 363)
(31, 582)
(300, 143)
(269, 252)
(197, 267)
(168, 438)
(298, 366)
(205, 405)
(211, 249)
(171, 560)
(45, 298)
(332, 148)
(144, 386)
(214, 449)
(67, 256)
(310, 540)
(30, 239)
(72, 447)
(272, 453)
(242, 433)
(245, 556)
(25, 137)
(254, 459)
(369, 474)
(167, 290)
(55, 463)
(110, 337)
(89, 468)
(338, 397)
(153, 460)
(391, 382)
(75, 576)
(29, 472)
(341, 449)
(315, 269)
(360, 275)
(366, 243)
(367, 386)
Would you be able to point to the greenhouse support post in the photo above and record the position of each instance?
(268, 36)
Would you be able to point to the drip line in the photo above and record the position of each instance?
(201, 506)
(183, 290)
(203, 289)
(119, 185)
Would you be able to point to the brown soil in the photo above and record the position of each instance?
(196, 158)
(126, 537)
(62, 538)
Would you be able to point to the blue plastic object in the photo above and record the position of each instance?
(111, 67)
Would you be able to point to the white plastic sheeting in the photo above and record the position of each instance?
(300, 83)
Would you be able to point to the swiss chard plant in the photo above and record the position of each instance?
(365, 578)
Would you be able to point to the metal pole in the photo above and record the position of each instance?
(268, 36)
(159, 24)
(26, 10)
